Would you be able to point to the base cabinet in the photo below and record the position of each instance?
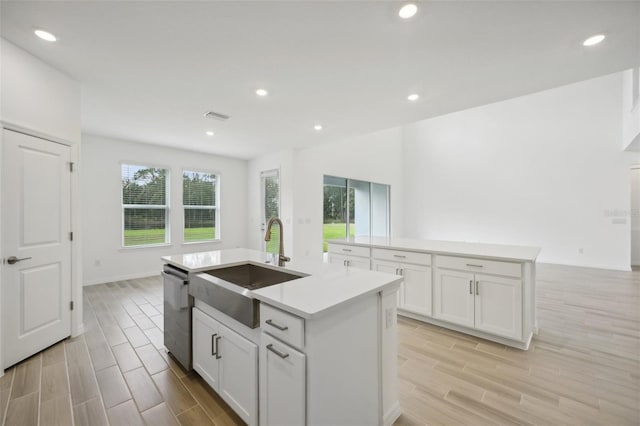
(487, 303)
(415, 290)
(228, 363)
(284, 384)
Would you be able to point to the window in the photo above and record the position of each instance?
(270, 204)
(145, 210)
(353, 208)
(200, 202)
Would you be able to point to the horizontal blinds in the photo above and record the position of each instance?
(199, 198)
(144, 204)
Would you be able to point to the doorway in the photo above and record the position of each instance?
(36, 243)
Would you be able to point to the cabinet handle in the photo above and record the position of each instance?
(277, 352)
(470, 286)
(348, 263)
(397, 273)
(475, 266)
(399, 256)
(347, 250)
(344, 263)
(477, 290)
(401, 272)
(279, 327)
(213, 345)
(218, 356)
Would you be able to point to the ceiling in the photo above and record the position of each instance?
(150, 69)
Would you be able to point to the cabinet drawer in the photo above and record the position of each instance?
(480, 265)
(283, 325)
(402, 256)
(350, 250)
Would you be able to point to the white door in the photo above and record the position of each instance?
(416, 295)
(282, 384)
(36, 226)
(206, 339)
(498, 307)
(239, 374)
(453, 297)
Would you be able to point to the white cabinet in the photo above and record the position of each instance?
(228, 363)
(283, 381)
(350, 256)
(416, 288)
(488, 303)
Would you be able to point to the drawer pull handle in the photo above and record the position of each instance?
(475, 266)
(213, 344)
(279, 327)
(477, 290)
(218, 356)
(470, 286)
(277, 352)
(348, 250)
(399, 256)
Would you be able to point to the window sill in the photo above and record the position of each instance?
(148, 246)
(191, 243)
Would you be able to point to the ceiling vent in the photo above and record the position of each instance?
(217, 115)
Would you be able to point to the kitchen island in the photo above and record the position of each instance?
(323, 351)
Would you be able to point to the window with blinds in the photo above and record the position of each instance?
(200, 202)
(145, 209)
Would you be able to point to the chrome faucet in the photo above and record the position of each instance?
(267, 237)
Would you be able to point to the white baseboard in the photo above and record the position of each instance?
(121, 278)
(78, 331)
(607, 267)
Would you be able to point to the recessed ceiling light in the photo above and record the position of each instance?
(407, 11)
(45, 35)
(593, 40)
(261, 92)
(210, 133)
(318, 127)
(413, 97)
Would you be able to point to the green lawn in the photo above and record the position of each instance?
(331, 231)
(136, 237)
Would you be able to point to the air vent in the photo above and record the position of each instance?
(216, 115)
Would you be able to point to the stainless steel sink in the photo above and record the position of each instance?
(229, 289)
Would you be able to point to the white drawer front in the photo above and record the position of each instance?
(480, 265)
(402, 256)
(350, 250)
(283, 325)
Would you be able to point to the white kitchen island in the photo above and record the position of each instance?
(487, 290)
(324, 352)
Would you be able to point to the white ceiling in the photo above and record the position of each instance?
(150, 69)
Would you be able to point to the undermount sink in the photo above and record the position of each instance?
(229, 289)
(252, 277)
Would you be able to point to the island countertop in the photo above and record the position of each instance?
(321, 288)
(454, 248)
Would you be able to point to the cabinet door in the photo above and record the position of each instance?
(205, 332)
(337, 259)
(239, 374)
(416, 294)
(498, 305)
(353, 261)
(389, 268)
(454, 297)
(283, 384)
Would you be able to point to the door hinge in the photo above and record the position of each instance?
(71, 305)
(71, 236)
(71, 166)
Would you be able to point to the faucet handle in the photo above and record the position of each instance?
(285, 258)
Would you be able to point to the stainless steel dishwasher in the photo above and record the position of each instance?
(177, 314)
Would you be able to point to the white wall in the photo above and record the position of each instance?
(545, 170)
(631, 110)
(101, 190)
(38, 99)
(37, 96)
(635, 215)
(375, 157)
(283, 162)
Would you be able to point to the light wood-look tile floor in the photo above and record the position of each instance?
(583, 366)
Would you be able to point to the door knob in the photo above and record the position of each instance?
(12, 259)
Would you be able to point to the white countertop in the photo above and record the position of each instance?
(324, 288)
(460, 248)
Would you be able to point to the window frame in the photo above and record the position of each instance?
(216, 208)
(166, 206)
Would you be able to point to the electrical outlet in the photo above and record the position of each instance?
(388, 318)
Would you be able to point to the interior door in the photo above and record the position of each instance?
(36, 222)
